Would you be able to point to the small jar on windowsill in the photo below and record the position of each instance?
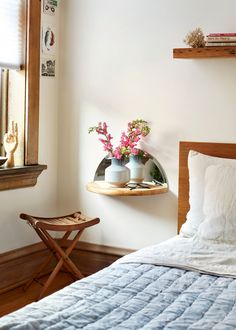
(2, 161)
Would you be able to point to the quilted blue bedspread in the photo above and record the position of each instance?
(134, 296)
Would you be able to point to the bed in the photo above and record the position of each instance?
(187, 282)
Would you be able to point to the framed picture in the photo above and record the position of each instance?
(48, 39)
(48, 67)
(49, 7)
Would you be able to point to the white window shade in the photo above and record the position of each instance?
(12, 30)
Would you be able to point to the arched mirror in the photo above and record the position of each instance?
(152, 169)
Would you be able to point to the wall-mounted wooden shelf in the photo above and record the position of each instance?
(205, 52)
(102, 187)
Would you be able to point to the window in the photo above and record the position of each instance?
(12, 26)
(3, 106)
(26, 175)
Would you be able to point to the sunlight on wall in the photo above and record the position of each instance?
(117, 65)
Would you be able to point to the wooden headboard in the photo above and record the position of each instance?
(224, 150)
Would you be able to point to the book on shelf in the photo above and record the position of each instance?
(217, 44)
(229, 34)
(220, 38)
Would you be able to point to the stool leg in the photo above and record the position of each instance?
(38, 272)
(49, 242)
(62, 243)
(46, 262)
(64, 255)
(63, 259)
(50, 279)
(65, 237)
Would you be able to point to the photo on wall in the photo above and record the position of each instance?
(48, 67)
(48, 39)
(49, 7)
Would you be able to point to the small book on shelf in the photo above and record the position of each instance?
(217, 44)
(227, 34)
(221, 39)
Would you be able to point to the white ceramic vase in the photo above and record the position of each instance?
(117, 174)
(136, 169)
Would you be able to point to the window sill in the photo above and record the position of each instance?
(20, 177)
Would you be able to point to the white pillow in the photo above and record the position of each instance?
(197, 165)
(219, 205)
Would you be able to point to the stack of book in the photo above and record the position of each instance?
(220, 39)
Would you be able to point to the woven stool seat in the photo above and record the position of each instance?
(67, 223)
(72, 221)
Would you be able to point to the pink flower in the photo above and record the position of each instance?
(134, 151)
(117, 153)
(105, 128)
(136, 130)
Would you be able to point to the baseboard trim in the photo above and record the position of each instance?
(89, 257)
(21, 252)
(23, 262)
(103, 249)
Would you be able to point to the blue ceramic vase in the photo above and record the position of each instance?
(136, 169)
(117, 174)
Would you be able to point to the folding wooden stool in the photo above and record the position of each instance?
(67, 223)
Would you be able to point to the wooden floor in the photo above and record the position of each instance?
(17, 298)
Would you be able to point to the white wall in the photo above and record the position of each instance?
(41, 199)
(117, 65)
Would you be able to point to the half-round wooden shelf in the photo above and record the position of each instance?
(102, 187)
